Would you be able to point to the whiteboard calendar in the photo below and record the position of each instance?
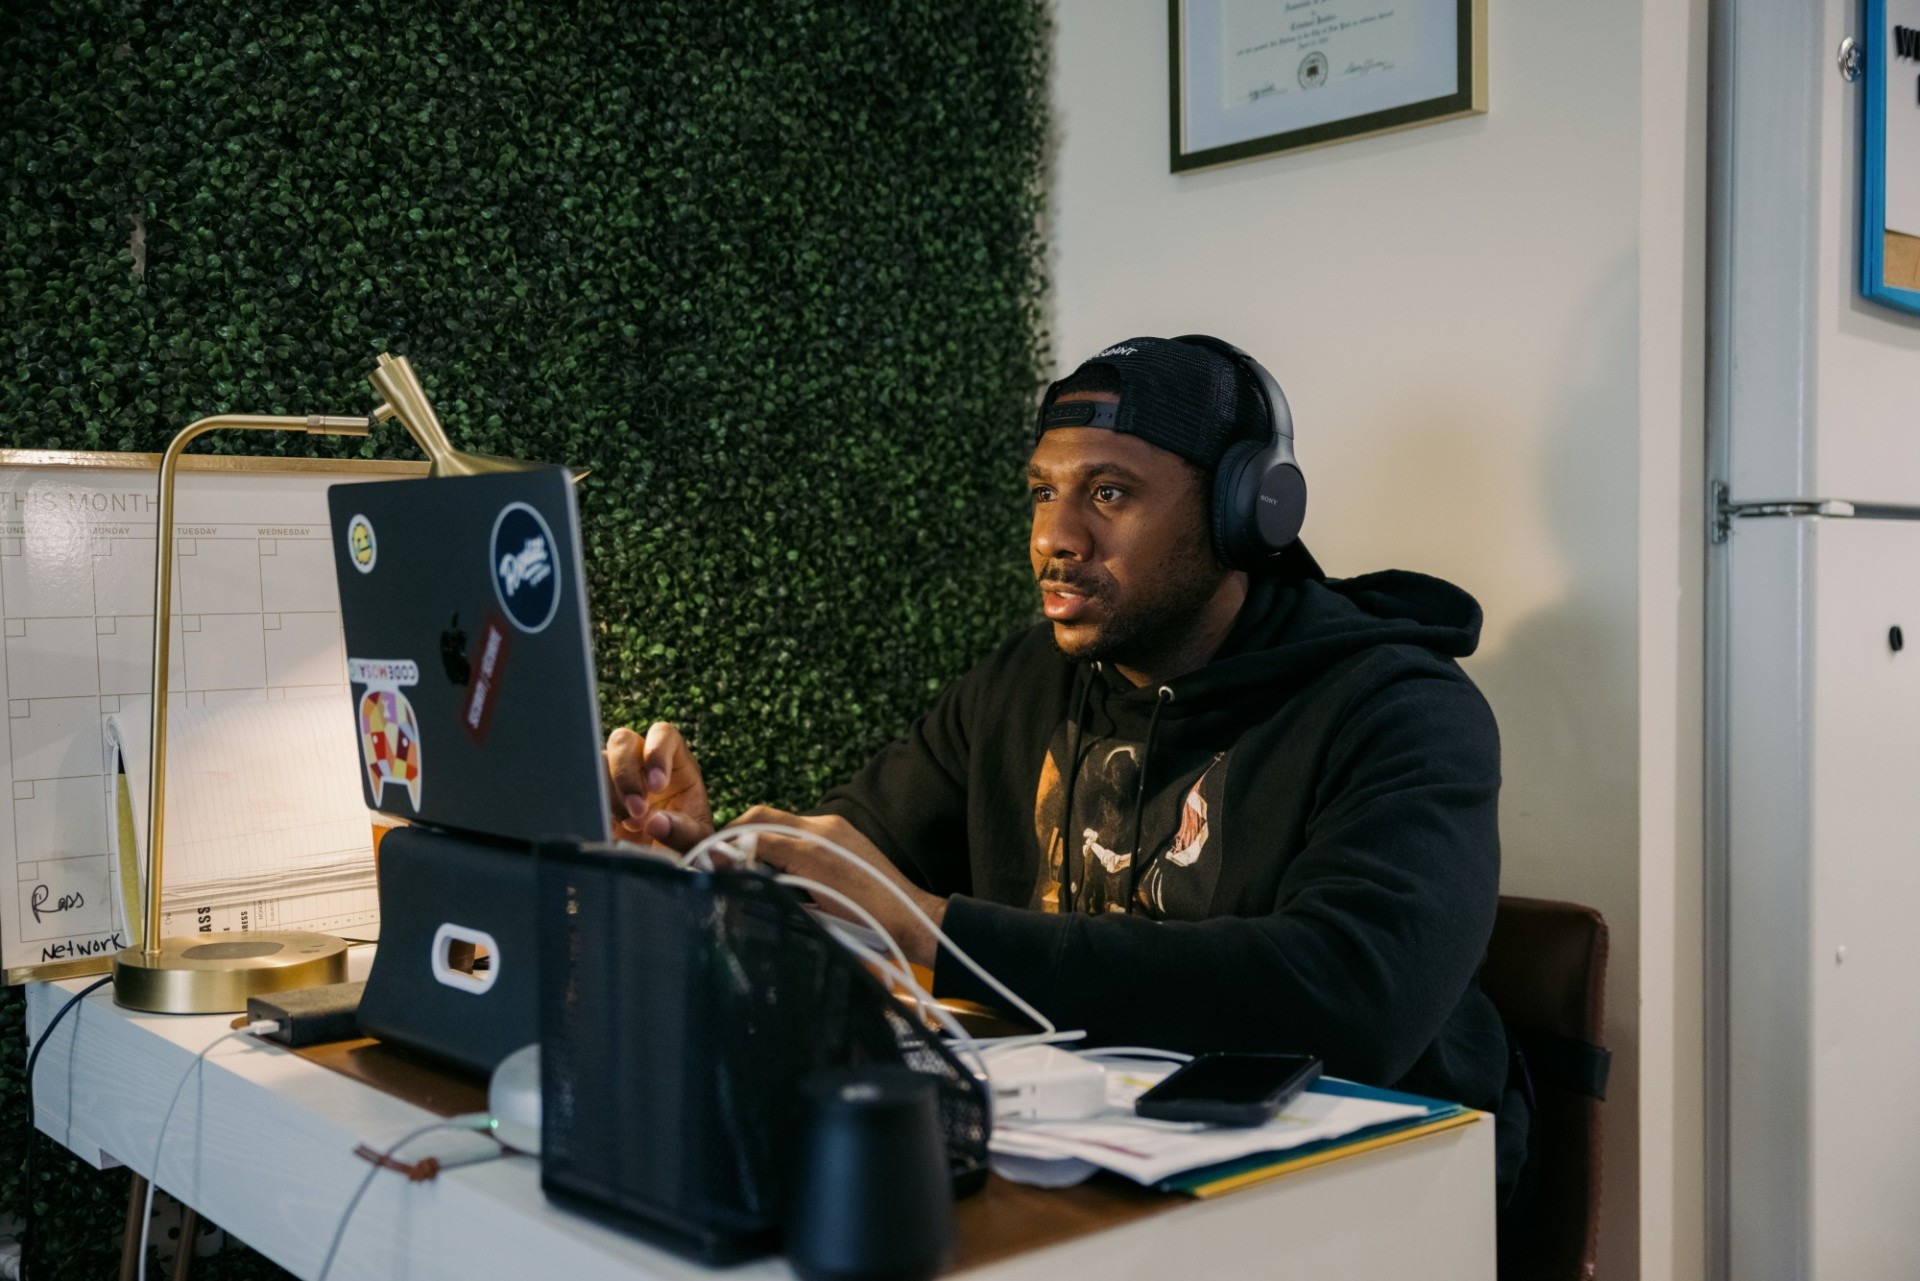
(256, 618)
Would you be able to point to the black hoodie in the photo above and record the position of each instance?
(1318, 819)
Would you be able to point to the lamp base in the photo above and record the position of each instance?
(216, 973)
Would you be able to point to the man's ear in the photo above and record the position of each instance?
(1203, 507)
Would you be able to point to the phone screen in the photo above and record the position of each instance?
(1232, 1078)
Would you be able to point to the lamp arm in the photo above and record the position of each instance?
(403, 397)
(314, 424)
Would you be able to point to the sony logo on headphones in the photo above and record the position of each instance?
(1271, 502)
(1116, 351)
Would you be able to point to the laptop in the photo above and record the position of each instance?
(464, 609)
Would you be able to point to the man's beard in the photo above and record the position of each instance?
(1158, 621)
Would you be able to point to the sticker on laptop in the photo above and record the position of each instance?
(526, 576)
(361, 545)
(489, 665)
(389, 730)
(383, 671)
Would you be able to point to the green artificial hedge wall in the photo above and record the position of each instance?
(771, 268)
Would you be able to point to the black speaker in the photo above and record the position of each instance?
(871, 1198)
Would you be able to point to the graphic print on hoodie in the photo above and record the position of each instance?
(1179, 829)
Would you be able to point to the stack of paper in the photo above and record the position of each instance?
(1433, 1116)
(265, 825)
(1203, 1160)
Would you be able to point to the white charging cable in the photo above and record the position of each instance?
(898, 968)
(475, 1121)
(264, 1027)
(1133, 1052)
(724, 841)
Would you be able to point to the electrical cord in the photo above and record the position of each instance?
(723, 840)
(974, 1049)
(1132, 1052)
(33, 1129)
(895, 966)
(263, 1027)
(898, 967)
(257, 1029)
(479, 1122)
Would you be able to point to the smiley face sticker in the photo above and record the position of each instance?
(362, 549)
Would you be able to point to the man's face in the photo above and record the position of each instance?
(1119, 545)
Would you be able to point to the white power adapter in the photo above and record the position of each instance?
(1041, 1083)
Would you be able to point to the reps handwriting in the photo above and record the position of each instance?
(43, 908)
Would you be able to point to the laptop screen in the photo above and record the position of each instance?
(464, 610)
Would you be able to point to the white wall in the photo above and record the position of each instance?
(1488, 330)
(1673, 304)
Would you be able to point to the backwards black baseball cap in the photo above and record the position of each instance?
(1186, 398)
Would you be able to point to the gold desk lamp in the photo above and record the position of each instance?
(216, 973)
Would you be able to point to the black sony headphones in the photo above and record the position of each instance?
(1259, 495)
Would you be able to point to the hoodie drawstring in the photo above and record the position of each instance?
(1134, 864)
(1081, 689)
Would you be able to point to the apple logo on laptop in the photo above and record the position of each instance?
(453, 653)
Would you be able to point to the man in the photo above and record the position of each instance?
(1199, 807)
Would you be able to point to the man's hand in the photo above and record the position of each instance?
(802, 858)
(657, 793)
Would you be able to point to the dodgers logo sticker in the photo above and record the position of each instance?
(526, 573)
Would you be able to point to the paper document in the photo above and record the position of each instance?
(1148, 1151)
(265, 824)
(1270, 50)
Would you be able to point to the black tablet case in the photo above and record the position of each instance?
(430, 878)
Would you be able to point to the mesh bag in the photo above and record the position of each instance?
(680, 1013)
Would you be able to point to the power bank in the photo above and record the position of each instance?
(310, 1015)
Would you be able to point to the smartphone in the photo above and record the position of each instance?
(1230, 1089)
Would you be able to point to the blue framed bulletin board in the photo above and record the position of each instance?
(1890, 161)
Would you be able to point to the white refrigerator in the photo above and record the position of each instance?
(1813, 737)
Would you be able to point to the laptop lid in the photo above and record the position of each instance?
(464, 608)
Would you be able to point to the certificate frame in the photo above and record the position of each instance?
(1890, 257)
(1444, 79)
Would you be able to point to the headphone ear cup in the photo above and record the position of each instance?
(1235, 491)
(1281, 507)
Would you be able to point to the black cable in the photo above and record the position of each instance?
(1077, 711)
(33, 1130)
(1136, 864)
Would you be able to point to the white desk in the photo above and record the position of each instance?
(262, 1144)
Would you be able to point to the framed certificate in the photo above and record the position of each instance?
(1890, 162)
(1252, 77)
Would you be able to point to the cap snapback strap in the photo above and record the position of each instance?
(1080, 413)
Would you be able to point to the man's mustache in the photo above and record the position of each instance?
(1059, 578)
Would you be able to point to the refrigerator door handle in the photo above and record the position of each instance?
(1726, 510)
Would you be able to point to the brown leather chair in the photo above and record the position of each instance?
(1546, 971)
